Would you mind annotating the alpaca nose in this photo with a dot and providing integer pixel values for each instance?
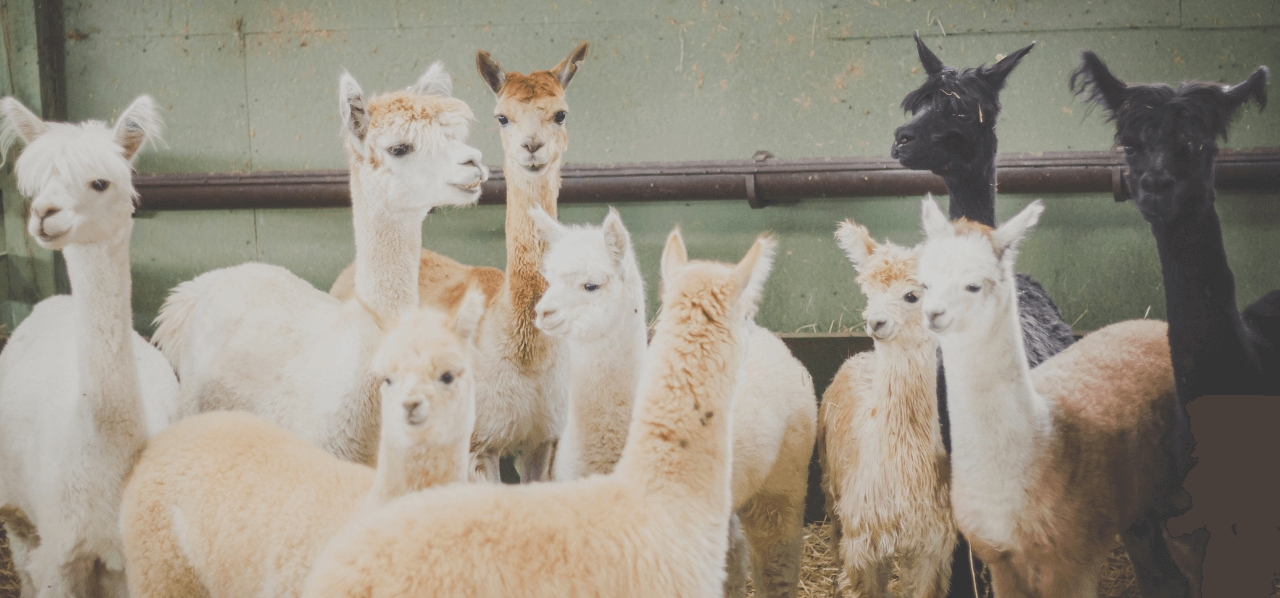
(1156, 182)
(546, 313)
(877, 325)
(411, 405)
(934, 314)
(532, 145)
(43, 212)
(905, 138)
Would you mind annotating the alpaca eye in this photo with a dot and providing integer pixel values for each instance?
(910, 297)
(590, 288)
(560, 117)
(502, 120)
(402, 149)
(1129, 150)
(100, 185)
(973, 288)
(386, 381)
(446, 378)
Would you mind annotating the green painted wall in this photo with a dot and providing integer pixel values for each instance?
(250, 86)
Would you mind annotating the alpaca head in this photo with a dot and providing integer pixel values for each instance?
(952, 127)
(428, 383)
(411, 144)
(531, 112)
(1170, 136)
(724, 295)
(78, 175)
(966, 269)
(590, 275)
(887, 275)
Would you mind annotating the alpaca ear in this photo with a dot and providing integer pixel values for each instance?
(470, 310)
(1103, 88)
(996, 74)
(19, 122)
(751, 273)
(355, 121)
(856, 242)
(932, 65)
(138, 123)
(436, 81)
(616, 237)
(674, 256)
(490, 71)
(1005, 238)
(936, 225)
(1253, 88)
(547, 226)
(567, 67)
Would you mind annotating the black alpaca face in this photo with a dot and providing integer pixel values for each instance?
(954, 115)
(1169, 135)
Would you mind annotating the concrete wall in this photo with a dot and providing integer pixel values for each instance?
(250, 86)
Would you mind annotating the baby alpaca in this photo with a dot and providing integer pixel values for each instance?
(229, 504)
(657, 526)
(884, 468)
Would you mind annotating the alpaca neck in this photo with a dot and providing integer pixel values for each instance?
(905, 384)
(973, 192)
(525, 284)
(408, 468)
(388, 244)
(101, 290)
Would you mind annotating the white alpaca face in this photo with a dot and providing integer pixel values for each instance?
(959, 277)
(426, 173)
(428, 387)
(893, 304)
(585, 297)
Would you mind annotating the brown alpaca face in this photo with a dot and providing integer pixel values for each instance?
(887, 276)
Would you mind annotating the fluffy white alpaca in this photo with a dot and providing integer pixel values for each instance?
(80, 391)
(257, 338)
(1048, 465)
(656, 526)
(595, 299)
(884, 468)
(227, 504)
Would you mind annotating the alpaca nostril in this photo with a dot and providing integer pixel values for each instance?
(934, 315)
(47, 213)
(905, 138)
(547, 313)
(1156, 182)
(411, 405)
(532, 146)
(877, 325)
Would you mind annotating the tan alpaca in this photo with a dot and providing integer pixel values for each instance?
(227, 504)
(522, 392)
(657, 526)
(884, 468)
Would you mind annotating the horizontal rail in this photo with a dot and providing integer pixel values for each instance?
(762, 181)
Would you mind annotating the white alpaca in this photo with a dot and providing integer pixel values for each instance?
(80, 391)
(656, 526)
(1048, 465)
(884, 468)
(595, 299)
(227, 504)
(257, 338)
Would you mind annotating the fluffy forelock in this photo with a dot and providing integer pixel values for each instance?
(420, 334)
(1158, 106)
(80, 152)
(887, 266)
(526, 88)
(961, 91)
(426, 120)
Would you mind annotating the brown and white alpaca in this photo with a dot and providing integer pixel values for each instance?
(1048, 465)
(522, 392)
(657, 526)
(884, 467)
(227, 504)
(257, 338)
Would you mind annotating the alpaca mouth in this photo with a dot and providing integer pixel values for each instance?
(534, 168)
(473, 188)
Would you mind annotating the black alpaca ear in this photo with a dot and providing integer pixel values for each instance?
(995, 74)
(1103, 88)
(928, 59)
(1253, 88)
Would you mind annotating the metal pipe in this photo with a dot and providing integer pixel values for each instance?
(762, 181)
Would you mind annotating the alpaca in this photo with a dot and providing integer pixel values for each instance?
(80, 390)
(1048, 464)
(1170, 143)
(257, 338)
(657, 526)
(202, 485)
(884, 469)
(595, 299)
(522, 392)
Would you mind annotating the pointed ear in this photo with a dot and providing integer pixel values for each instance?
(751, 273)
(1093, 78)
(856, 242)
(674, 256)
(138, 123)
(1005, 238)
(436, 81)
(467, 319)
(550, 230)
(490, 71)
(355, 121)
(996, 74)
(1254, 88)
(616, 237)
(19, 122)
(936, 225)
(928, 59)
(567, 67)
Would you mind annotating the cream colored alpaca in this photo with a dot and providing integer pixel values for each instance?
(1048, 465)
(257, 338)
(522, 397)
(80, 391)
(884, 468)
(656, 526)
(595, 300)
(227, 504)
